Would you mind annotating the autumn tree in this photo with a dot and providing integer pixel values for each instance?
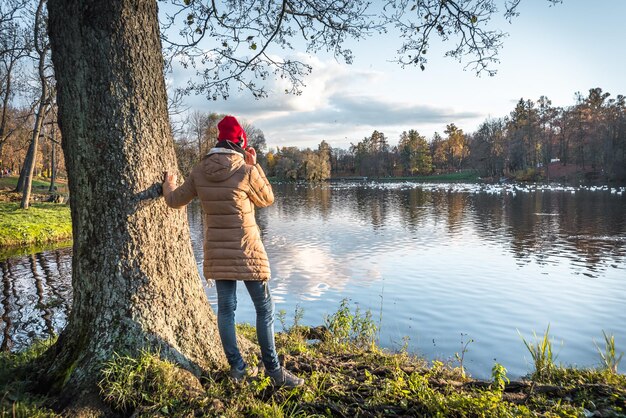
(371, 155)
(256, 139)
(325, 153)
(487, 146)
(378, 151)
(437, 151)
(289, 163)
(19, 123)
(134, 276)
(53, 156)
(592, 129)
(455, 146)
(15, 46)
(202, 129)
(615, 141)
(186, 152)
(199, 134)
(292, 163)
(341, 162)
(523, 132)
(547, 115)
(414, 153)
(316, 165)
(361, 156)
(271, 161)
(44, 101)
(197, 124)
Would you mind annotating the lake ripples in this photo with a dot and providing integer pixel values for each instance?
(34, 304)
(437, 264)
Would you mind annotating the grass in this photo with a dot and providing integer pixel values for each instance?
(41, 223)
(128, 382)
(609, 356)
(460, 357)
(15, 401)
(461, 176)
(39, 184)
(346, 376)
(542, 355)
(527, 175)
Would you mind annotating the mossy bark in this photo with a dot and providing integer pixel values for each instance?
(134, 276)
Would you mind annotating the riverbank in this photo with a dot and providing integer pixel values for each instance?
(465, 176)
(347, 375)
(42, 223)
(556, 172)
(40, 188)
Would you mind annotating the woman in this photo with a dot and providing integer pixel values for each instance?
(229, 184)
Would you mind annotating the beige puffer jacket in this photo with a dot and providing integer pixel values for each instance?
(228, 190)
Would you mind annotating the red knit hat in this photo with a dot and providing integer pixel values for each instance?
(229, 129)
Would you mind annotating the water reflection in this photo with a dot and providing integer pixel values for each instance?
(589, 226)
(434, 262)
(36, 293)
(438, 261)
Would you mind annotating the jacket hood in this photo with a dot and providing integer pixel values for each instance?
(221, 163)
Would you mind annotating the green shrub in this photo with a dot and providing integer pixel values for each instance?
(351, 329)
(128, 382)
(542, 355)
(610, 359)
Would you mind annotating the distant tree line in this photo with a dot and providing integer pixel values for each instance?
(591, 134)
(291, 163)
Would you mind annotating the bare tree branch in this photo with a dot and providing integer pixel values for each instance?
(244, 43)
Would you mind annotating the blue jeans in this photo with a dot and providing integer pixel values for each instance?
(264, 306)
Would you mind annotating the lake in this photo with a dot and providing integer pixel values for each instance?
(440, 266)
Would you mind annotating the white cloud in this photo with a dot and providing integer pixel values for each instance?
(335, 106)
(343, 103)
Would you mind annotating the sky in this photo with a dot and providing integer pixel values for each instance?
(553, 51)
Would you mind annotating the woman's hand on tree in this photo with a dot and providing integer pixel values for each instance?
(170, 177)
(250, 157)
(169, 182)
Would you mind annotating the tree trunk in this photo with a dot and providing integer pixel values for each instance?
(53, 167)
(42, 51)
(53, 161)
(134, 276)
(29, 170)
(6, 99)
(24, 170)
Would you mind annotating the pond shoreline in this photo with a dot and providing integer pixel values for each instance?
(50, 223)
(42, 224)
(345, 376)
(347, 381)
